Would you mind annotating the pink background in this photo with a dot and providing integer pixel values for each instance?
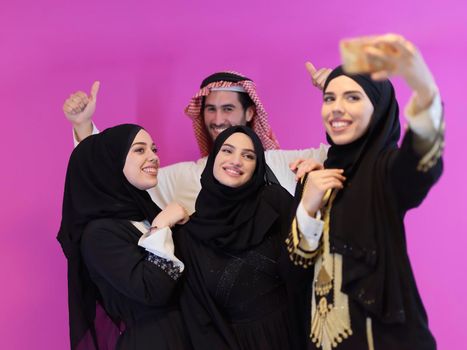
(150, 57)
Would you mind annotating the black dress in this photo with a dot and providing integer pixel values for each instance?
(405, 187)
(364, 223)
(114, 286)
(239, 300)
(138, 292)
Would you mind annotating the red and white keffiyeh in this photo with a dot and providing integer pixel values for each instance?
(259, 122)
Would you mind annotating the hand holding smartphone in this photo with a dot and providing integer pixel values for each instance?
(370, 54)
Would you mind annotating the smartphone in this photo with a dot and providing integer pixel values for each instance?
(355, 60)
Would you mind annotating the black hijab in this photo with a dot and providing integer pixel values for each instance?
(230, 222)
(364, 224)
(95, 187)
(232, 218)
(383, 132)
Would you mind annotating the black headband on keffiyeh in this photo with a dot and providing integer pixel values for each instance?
(259, 122)
(223, 76)
(362, 222)
(96, 187)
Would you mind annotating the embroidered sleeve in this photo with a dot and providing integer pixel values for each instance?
(298, 255)
(167, 266)
(311, 229)
(160, 243)
(426, 123)
(430, 159)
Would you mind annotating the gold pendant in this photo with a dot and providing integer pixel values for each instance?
(327, 330)
(319, 322)
(324, 282)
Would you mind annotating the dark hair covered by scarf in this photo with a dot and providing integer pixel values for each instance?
(230, 218)
(363, 220)
(95, 187)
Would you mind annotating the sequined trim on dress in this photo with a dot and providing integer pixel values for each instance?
(166, 265)
(430, 159)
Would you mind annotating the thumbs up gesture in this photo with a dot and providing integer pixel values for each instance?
(318, 76)
(79, 107)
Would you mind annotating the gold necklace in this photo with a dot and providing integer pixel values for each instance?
(330, 321)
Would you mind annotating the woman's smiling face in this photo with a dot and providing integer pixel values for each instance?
(346, 110)
(142, 162)
(235, 162)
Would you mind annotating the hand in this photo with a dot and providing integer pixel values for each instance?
(79, 107)
(398, 56)
(317, 184)
(302, 166)
(172, 214)
(318, 77)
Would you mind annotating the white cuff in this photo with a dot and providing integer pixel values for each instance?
(159, 243)
(424, 123)
(310, 227)
(95, 131)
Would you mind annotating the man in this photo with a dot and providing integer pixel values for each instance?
(224, 99)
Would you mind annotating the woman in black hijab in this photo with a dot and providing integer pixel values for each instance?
(364, 295)
(234, 295)
(120, 295)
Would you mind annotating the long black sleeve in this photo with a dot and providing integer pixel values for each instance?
(410, 183)
(110, 251)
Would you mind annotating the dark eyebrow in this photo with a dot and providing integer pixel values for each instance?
(352, 92)
(223, 106)
(141, 144)
(345, 93)
(244, 149)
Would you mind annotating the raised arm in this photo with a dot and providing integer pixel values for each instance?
(417, 165)
(392, 55)
(79, 109)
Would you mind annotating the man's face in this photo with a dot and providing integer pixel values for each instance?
(222, 109)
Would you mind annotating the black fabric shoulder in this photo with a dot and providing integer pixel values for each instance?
(103, 229)
(276, 195)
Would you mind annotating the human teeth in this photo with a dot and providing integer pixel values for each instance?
(339, 124)
(232, 171)
(150, 170)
